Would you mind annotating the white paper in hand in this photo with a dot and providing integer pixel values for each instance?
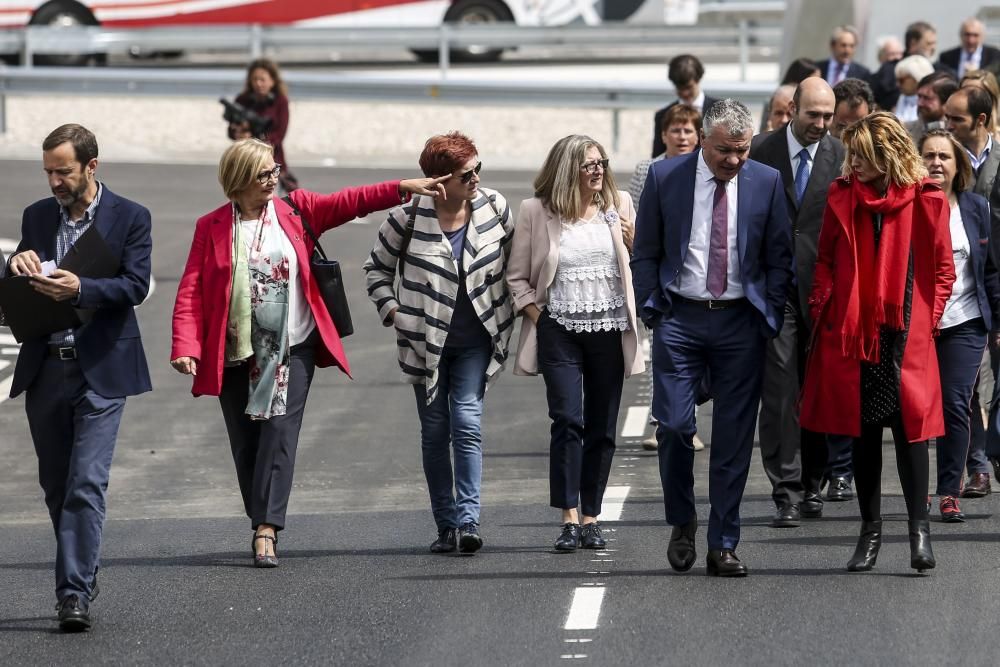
(48, 267)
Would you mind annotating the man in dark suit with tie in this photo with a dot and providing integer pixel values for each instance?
(76, 380)
(973, 53)
(712, 270)
(685, 72)
(808, 159)
(840, 65)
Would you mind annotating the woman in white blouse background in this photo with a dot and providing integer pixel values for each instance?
(569, 275)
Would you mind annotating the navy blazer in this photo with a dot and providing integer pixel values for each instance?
(976, 220)
(663, 231)
(109, 349)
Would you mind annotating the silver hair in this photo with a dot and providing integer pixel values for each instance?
(730, 114)
(841, 29)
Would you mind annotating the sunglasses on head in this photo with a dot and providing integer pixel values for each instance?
(467, 175)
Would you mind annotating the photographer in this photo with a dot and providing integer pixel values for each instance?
(265, 95)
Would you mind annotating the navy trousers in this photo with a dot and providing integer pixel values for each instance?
(74, 431)
(959, 349)
(584, 373)
(730, 345)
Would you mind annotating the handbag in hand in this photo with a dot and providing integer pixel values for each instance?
(330, 279)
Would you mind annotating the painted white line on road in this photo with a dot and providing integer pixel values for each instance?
(5, 388)
(585, 609)
(8, 339)
(636, 421)
(10, 350)
(4, 364)
(614, 501)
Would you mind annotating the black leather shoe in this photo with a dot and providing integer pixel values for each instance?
(787, 516)
(921, 554)
(680, 551)
(569, 538)
(591, 538)
(469, 539)
(869, 542)
(73, 614)
(445, 543)
(724, 563)
(811, 506)
(840, 490)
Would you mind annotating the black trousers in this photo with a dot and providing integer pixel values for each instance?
(264, 450)
(584, 373)
(911, 463)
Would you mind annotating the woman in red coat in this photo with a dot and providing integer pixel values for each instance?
(883, 275)
(250, 324)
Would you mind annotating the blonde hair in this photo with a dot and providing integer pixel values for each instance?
(240, 164)
(896, 157)
(558, 182)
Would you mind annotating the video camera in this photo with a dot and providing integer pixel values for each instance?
(239, 114)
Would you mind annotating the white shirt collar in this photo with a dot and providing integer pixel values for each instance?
(794, 147)
(698, 102)
(704, 172)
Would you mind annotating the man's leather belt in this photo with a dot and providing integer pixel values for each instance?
(63, 353)
(711, 304)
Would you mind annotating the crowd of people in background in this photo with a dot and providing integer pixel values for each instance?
(836, 274)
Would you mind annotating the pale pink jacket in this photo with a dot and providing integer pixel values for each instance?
(534, 257)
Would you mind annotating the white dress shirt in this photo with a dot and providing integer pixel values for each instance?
(906, 108)
(692, 280)
(794, 148)
(697, 102)
(978, 160)
(963, 304)
(968, 61)
(833, 70)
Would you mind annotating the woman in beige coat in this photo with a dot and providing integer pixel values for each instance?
(569, 275)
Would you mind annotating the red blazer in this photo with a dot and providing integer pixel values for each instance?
(831, 391)
(202, 305)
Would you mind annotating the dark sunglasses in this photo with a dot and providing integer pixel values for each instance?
(467, 175)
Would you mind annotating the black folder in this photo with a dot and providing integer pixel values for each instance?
(31, 314)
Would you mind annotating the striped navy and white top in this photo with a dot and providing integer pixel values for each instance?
(426, 293)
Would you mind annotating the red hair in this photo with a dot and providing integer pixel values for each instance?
(444, 153)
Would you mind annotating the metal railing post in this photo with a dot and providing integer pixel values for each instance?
(256, 37)
(3, 108)
(27, 52)
(444, 50)
(744, 48)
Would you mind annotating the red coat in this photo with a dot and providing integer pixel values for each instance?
(202, 305)
(831, 391)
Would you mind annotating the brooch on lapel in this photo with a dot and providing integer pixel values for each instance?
(611, 217)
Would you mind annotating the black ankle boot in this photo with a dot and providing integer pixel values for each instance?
(869, 542)
(921, 554)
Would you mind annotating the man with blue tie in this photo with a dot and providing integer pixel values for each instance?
(76, 380)
(795, 461)
(712, 269)
(840, 65)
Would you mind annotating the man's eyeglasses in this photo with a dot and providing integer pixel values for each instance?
(467, 175)
(591, 167)
(269, 175)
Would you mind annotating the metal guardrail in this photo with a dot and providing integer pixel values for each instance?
(726, 24)
(613, 96)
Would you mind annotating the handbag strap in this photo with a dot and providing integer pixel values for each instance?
(305, 225)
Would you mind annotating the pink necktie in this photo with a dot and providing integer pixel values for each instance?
(718, 244)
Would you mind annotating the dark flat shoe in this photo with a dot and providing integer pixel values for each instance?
(569, 538)
(74, 616)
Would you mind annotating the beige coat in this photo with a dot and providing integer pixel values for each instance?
(534, 257)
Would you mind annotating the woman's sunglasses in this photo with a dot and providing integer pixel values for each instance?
(467, 175)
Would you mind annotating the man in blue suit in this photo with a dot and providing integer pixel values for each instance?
(712, 270)
(76, 380)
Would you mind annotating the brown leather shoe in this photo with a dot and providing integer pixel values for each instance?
(977, 486)
(724, 563)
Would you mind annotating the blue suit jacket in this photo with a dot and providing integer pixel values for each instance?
(663, 230)
(976, 220)
(109, 349)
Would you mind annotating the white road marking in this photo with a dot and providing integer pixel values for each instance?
(585, 610)
(8, 339)
(614, 501)
(5, 388)
(635, 421)
(10, 350)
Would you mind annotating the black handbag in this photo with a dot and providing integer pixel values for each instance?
(330, 279)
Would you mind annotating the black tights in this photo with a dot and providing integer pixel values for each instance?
(911, 461)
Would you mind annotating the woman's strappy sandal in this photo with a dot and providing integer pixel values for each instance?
(263, 560)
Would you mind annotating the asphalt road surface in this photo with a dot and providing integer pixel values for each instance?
(357, 585)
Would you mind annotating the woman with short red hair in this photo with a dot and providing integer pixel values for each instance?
(453, 318)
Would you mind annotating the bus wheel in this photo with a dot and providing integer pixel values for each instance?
(475, 12)
(65, 14)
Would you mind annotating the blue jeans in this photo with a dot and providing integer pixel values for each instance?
(451, 422)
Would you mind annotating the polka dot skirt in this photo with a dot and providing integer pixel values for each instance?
(880, 383)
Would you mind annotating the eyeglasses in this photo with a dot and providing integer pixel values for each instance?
(467, 175)
(591, 167)
(269, 175)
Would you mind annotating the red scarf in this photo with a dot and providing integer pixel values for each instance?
(879, 281)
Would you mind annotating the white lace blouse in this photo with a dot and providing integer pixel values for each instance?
(587, 293)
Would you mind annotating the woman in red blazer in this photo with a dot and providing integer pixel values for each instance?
(249, 321)
(883, 275)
